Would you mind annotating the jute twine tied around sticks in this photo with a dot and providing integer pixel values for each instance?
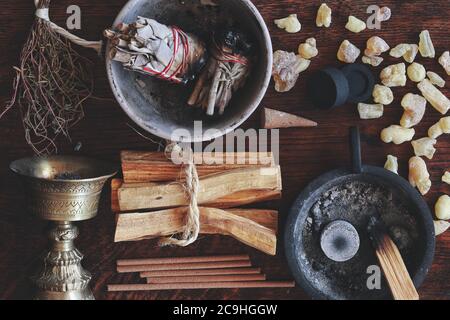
(192, 184)
(42, 12)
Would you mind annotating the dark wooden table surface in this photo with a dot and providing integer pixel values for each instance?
(305, 153)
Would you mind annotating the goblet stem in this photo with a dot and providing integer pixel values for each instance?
(62, 277)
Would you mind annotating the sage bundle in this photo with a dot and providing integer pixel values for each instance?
(226, 72)
(52, 82)
(152, 48)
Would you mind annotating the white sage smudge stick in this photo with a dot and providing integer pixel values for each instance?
(154, 49)
(226, 72)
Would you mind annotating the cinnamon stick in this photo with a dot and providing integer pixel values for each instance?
(184, 266)
(134, 262)
(256, 228)
(199, 279)
(212, 188)
(200, 272)
(155, 167)
(211, 285)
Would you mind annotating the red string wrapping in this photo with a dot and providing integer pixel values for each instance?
(178, 37)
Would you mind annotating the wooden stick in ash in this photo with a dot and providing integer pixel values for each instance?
(391, 261)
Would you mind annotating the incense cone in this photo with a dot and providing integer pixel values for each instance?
(273, 119)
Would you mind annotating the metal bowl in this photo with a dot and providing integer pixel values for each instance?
(311, 277)
(160, 107)
(63, 188)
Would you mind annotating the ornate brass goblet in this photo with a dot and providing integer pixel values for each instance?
(63, 190)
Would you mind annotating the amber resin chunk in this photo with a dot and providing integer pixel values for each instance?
(323, 16)
(394, 75)
(376, 46)
(286, 69)
(348, 52)
(355, 25)
(383, 95)
(435, 97)
(414, 106)
(290, 24)
(426, 46)
(418, 175)
(397, 134)
(444, 60)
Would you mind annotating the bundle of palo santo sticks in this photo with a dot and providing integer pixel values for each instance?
(213, 272)
(151, 202)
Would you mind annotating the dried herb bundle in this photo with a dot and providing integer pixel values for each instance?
(51, 83)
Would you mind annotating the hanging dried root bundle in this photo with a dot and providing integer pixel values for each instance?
(155, 49)
(226, 72)
(51, 83)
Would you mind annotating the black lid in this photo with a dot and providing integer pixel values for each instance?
(361, 82)
(332, 87)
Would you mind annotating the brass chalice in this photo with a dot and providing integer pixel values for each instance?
(63, 189)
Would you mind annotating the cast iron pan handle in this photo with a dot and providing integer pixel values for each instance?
(355, 145)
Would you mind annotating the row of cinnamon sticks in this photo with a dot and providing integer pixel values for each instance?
(211, 272)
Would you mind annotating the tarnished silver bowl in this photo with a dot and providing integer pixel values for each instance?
(63, 190)
(161, 108)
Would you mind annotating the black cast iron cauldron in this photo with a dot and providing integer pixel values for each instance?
(294, 245)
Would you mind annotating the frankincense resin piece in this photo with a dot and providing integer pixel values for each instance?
(414, 106)
(424, 147)
(426, 46)
(286, 69)
(374, 61)
(308, 49)
(391, 164)
(348, 52)
(394, 75)
(290, 24)
(444, 60)
(435, 97)
(384, 14)
(446, 177)
(440, 226)
(416, 72)
(438, 129)
(442, 208)
(370, 111)
(323, 16)
(418, 175)
(376, 46)
(397, 134)
(355, 25)
(436, 79)
(383, 95)
(405, 50)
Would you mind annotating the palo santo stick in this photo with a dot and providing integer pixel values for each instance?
(200, 272)
(211, 285)
(274, 119)
(185, 266)
(155, 167)
(217, 278)
(391, 261)
(234, 200)
(138, 226)
(212, 187)
(134, 262)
